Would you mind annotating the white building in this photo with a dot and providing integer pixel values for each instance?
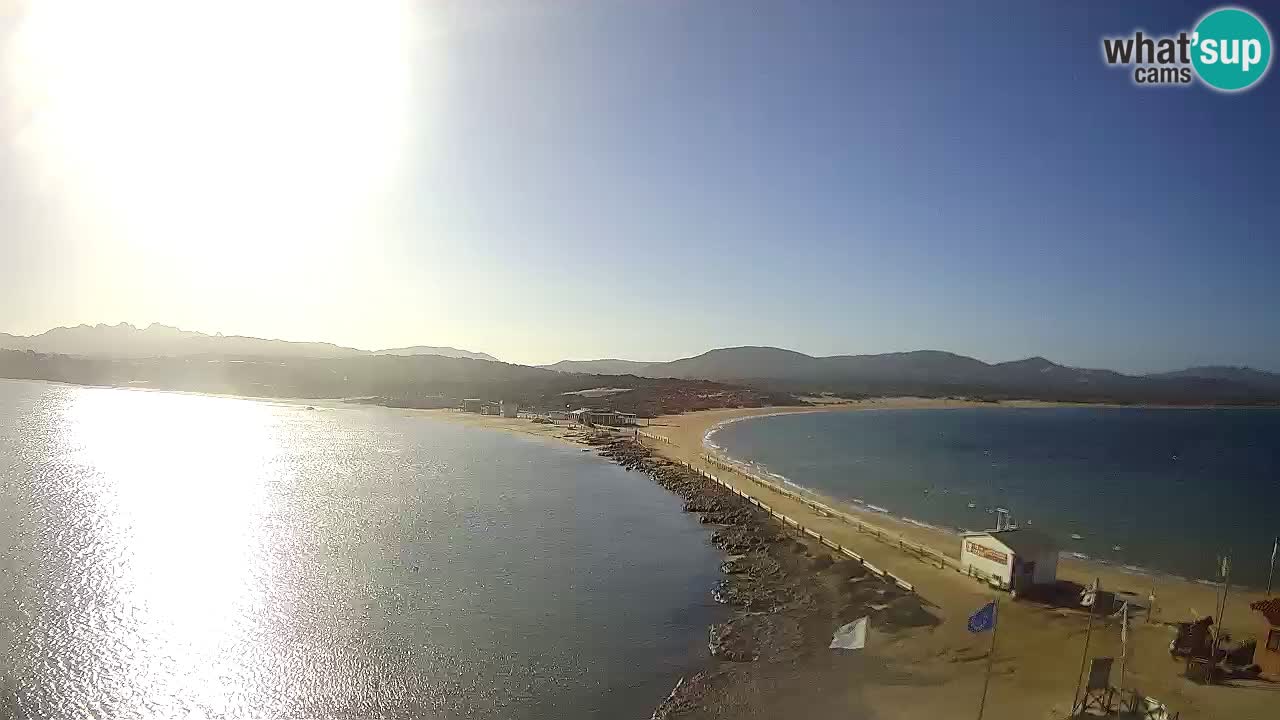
(1013, 559)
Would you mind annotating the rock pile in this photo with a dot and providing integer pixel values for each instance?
(787, 592)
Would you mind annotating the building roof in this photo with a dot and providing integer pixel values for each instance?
(1023, 541)
(1270, 609)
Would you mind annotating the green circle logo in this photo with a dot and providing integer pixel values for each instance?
(1231, 49)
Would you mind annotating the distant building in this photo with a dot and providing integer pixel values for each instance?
(472, 405)
(1014, 559)
(434, 402)
(1267, 654)
(509, 409)
(491, 408)
(608, 418)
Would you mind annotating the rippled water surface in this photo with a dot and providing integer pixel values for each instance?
(171, 554)
(1161, 489)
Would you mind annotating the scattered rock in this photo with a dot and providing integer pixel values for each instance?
(785, 591)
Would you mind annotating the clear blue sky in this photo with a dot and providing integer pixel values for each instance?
(831, 177)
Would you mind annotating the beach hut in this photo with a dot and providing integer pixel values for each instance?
(587, 416)
(510, 409)
(472, 405)
(1013, 559)
(1267, 654)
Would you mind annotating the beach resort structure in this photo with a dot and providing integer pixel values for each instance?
(1267, 654)
(509, 409)
(472, 405)
(612, 418)
(1012, 559)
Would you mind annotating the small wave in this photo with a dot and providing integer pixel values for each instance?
(923, 524)
(1077, 555)
(877, 508)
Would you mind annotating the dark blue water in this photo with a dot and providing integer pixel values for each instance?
(1172, 488)
(170, 555)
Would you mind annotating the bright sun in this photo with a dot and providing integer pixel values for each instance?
(219, 131)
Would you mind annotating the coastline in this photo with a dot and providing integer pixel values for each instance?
(913, 672)
(926, 671)
(1051, 643)
(945, 539)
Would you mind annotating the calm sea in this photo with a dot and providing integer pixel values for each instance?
(1163, 489)
(175, 555)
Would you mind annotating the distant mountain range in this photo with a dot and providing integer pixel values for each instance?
(776, 372)
(418, 381)
(156, 340)
(934, 373)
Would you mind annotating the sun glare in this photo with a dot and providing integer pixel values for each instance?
(219, 132)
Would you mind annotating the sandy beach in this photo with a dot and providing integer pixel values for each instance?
(938, 671)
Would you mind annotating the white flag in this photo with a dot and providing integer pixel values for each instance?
(1124, 629)
(852, 636)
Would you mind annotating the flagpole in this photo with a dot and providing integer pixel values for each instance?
(1124, 641)
(1088, 633)
(991, 656)
(1222, 614)
(1271, 574)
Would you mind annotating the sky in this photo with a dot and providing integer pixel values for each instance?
(644, 179)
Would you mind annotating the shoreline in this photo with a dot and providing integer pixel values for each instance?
(936, 670)
(928, 666)
(908, 670)
(1046, 659)
(902, 523)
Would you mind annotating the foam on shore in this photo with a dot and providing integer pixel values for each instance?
(751, 467)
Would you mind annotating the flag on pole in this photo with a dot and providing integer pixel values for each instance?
(984, 619)
(852, 636)
(1124, 629)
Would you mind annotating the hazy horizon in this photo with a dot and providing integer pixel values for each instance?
(823, 178)
(989, 360)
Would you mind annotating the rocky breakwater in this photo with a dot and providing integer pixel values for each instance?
(787, 592)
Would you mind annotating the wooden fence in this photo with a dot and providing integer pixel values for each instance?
(792, 522)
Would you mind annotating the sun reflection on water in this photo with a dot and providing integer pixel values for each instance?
(178, 481)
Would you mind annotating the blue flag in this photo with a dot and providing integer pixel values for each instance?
(984, 619)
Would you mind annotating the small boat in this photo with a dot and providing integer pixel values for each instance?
(926, 491)
(972, 506)
(1117, 548)
(1076, 537)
